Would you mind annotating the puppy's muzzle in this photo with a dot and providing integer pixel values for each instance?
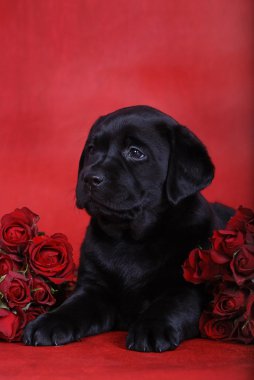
(93, 180)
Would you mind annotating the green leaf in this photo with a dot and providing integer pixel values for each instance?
(2, 251)
(245, 324)
(236, 252)
(53, 291)
(35, 290)
(3, 305)
(2, 277)
(27, 306)
(24, 271)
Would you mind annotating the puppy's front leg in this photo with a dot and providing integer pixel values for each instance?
(86, 312)
(167, 322)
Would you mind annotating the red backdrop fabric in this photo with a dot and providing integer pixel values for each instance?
(64, 63)
(105, 357)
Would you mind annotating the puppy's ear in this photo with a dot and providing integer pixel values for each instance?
(190, 167)
(92, 130)
(81, 160)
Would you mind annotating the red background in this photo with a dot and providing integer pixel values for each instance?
(64, 63)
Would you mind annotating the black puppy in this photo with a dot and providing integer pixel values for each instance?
(140, 174)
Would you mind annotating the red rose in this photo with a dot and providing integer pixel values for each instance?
(230, 302)
(51, 257)
(15, 289)
(239, 221)
(9, 262)
(33, 312)
(225, 244)
(199, 267)
(250, 226)
(249, 315)
(249, 238)
(10, 325)
(6, 264)
(17, 228)
(243, 331)
(242, 264)
(215, 328)
(41, 292)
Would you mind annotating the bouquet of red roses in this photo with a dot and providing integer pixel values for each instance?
(228, 269)
(36, 271)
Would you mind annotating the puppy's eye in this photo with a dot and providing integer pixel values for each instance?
(135, 153)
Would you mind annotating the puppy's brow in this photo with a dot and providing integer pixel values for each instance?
(134, 140)
(99, 139)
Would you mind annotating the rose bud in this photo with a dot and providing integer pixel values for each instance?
(230, 302)
(41, 292)
(215, 328)
(51, 257)
(10, 262)
(15, 289)
(242, 332)
(33, 312)
(10, 325)
(249, 239)
(6, 264)
(249, 314)
(250, 226)
(17, 228)
(199, 268)
(225, 244)
(239, 221)
(242, 264)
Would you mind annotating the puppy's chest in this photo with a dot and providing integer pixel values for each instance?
(132, 266)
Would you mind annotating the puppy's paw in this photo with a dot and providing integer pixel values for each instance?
(50, 330)
(152, 336)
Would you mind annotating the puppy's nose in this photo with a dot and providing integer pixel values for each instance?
(93, 180)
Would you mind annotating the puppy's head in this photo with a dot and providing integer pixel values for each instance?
(137, 159)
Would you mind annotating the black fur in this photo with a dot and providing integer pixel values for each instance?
(140, 177)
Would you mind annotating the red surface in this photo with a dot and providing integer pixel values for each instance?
(105, 357)
(64, 63)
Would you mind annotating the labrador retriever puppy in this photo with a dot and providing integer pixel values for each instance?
(140, 176)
